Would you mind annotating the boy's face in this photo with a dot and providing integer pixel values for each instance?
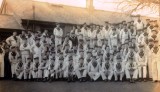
(81, 60)
(89, 54)
(14, 33)
(71, 61)
(29, 60)
(36, 60)
(58, 25)
(19, 59)
(23, 32)
(81, 53)
(45, 60)
(115, 48)
(37, 41)
(52, 60)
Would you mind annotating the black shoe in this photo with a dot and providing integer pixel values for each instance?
(51, 79)
(84, 79)
(91, 80)
(144, 80)
(140, 80)
(80, 80)
(130, 81)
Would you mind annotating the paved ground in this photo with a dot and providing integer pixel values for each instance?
(14, 86)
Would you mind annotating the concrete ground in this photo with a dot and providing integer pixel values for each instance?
(59, 86)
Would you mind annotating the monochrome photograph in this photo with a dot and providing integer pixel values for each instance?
(79, 46)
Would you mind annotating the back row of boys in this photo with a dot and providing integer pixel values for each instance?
(125, 49)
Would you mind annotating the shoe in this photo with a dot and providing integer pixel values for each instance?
(145, 80)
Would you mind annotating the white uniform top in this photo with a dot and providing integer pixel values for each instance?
(25, 50)
(57, 32)
(155, 56)
(107, 66)
(113, 40)
(89, 33)
(106, 32)
(132, 34)
(131, 65)
(84, 31)
(92, 68)
(124, 35)
(51, 65)
(80, 66)
(149, 31)
(139, 25)
(21, 40)
(128, 55)
(19, 67)
(141, 39)
(36, 50)
(12, 58)
(119, 67)
(69, 43)
(142, 60)
(44, 41)
(30, 39)
(78, 32)
(11, 41)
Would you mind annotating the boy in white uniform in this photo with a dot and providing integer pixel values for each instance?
(156, 62)
(93, 69)
(132, 32)
(30, 38)
(148, 51)
(44, 69)
(69, 70)
(81, 69)
(13, 56)
(25, 50)
(119, 67)
(107, 70)
(58, 32)
(131, 69)
(34, 68)
(22, 37)
(113, 40)
(139, 24)
(142, 63)
(59, 66)
(124, 35)
(36, 50)
(140, 38)
(51, 69)
(27, 69)
(13, 40)
(19, 69)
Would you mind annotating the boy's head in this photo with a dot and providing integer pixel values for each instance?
(29, 59)
(36, 59)
(19, 59)
(70, 59)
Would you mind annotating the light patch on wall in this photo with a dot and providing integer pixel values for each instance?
(77, 3)
(1, 2)
(106, 5)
